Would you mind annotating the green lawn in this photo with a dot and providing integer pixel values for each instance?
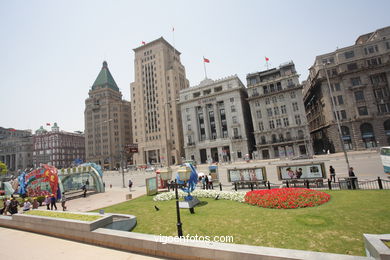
(336, 226)
(53, 214)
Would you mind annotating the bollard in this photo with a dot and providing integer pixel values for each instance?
(269, 185)
(380, 183)
(235, 186)
(220, 186)
(329, 184)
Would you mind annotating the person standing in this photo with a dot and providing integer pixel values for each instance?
(53, 202)
(351, 173)
(130, 184)
(87, 183)
(13, 207)
(206, 180)
(210, 182)
(35, 204)
(332, 172)
(63, 201)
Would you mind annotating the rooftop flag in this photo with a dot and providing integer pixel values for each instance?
(48, 124)
(206, 60)
(143, 42)
(266, 59)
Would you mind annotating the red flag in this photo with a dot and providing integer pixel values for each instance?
(12, 130)
(266, 59)
(143, 42)
(206, 60)
(48, 124)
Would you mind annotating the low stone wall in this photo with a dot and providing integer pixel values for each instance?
(375, 247)
(94, 233)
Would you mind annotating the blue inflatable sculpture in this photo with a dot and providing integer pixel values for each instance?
(191, 183)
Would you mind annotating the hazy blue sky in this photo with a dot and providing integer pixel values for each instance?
(52, 51)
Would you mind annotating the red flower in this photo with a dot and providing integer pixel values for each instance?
(289, 198)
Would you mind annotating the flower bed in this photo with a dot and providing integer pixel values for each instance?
(227, 195)
(286, 198)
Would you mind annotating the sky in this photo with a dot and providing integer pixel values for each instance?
(52, 51)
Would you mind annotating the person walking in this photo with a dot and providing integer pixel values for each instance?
(351, 173)
(206, 180)
(47, 202)
(63, 201)
(210, 182)
(84, 188)
(53, 202)
(332, 172)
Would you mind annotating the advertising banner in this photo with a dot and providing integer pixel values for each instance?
(302, 171)
(151, 186)
(41, 181)
(247, 174)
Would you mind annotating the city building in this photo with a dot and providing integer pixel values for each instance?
(216, 121)
(16, 149)
(157, 128)
(57, 148)
(107, 123)
(278, 114)
(359, 78)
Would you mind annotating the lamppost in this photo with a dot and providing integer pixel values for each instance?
(337, 116)
(184, 175)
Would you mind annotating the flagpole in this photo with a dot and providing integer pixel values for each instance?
(204, 65)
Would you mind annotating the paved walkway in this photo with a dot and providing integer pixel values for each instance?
(21, 245)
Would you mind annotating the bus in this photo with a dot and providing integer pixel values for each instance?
(385, 157)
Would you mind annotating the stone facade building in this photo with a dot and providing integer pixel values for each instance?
(57, 148)
(359, 77)
(278, 114)
(16, 148)
(216, 121)
(157, 128)
(107, 122)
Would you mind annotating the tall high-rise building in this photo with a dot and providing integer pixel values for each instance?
(278, 114)
(107, 122)
(157, 128)
(358, 94)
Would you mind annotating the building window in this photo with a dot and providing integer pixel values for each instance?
(374, 61)
(356, 81)
(281, 97)
(271, 124)
(359, 95)
(285, 121)
(371, 49)
(188, 118)
(265, 89)
(261, 126)
(233, 108)
(274, 100)
(278, 86)
(295, 106)
(343, 114)
(234, 119)
(278, 123)
(232, 100)
(340, 99)
(352, 66)
(349, 54)
(267, 101)
(258, 114)
(257, 103)
(363, 111)
(283, 108)
(276, 111)
(269, 111)
(189, 127)
(337, 86)
(292, 94)
(298, 119)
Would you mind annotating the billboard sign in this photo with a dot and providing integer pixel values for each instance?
(151, 186)
(247, 174)
(302, 171)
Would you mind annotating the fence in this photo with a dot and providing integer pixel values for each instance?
(319, 184)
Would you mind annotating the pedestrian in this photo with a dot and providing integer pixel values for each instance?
(206, 180)
(13, 206)
(84, 188)
(53, 202)
(203, 182)
(47, 202)
(26, 205)
(350, 172)
(210, 182)
(332, 172)
(35, 203)
(63, 201)
(87, 183)
(3, 210)
(130, 184)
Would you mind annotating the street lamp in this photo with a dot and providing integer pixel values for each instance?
(337, 116)
(184, 175)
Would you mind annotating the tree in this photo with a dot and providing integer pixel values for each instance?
(3, 168)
